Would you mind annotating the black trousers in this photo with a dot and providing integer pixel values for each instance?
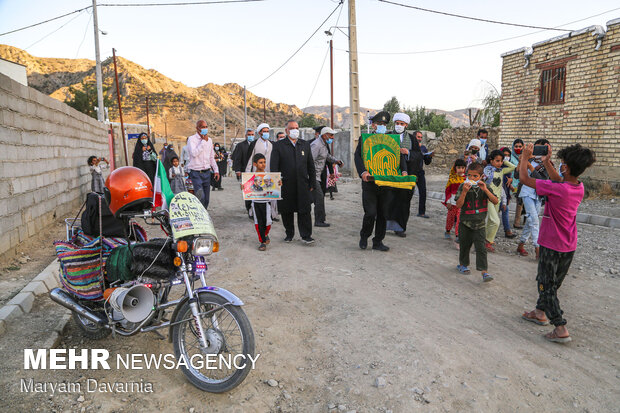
(467, 237)
(552, 268)
(319, 204)
(248, 205)
(421, 184)
(400, 206)
(376, 201)
(260, 220)
(304, 223)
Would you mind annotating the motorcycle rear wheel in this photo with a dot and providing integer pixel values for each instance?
(89, 328)
(233, 332)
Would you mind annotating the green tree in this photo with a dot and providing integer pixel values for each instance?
(391, 106)
(421, 119)
(489, 114)
(85, 99)
(308, 120)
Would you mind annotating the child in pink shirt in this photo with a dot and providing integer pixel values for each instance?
(558, 231)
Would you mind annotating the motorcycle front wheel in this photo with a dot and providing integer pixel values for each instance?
(229, 338)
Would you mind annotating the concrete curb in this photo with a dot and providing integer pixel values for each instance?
(23, 301)
(599, 220)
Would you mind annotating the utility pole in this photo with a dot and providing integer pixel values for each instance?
(353, 85)
(331, 82)
(98, 75)
(148, 124)
(224, 129)
(120, 109)
(265, 110)
(245, 112)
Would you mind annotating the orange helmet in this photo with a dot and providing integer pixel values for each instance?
(128, 189)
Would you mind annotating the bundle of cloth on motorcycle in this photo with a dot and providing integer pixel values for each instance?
(82, 259)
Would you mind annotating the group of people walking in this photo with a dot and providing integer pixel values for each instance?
(481, 185)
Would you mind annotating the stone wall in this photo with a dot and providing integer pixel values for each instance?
(43, 171)
(452, 142)
(590, 114)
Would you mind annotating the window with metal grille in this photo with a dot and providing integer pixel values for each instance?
(552, 85)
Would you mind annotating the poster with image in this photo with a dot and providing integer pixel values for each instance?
(261, 186)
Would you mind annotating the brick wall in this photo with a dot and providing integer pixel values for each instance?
(43, 170)
(590, 114)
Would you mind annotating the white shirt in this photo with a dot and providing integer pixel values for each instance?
(202, 154)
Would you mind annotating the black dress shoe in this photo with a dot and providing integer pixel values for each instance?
(363, 243)
(380, 247)
(321, 224)
(288, 239)
(275, 219)
(401, 234)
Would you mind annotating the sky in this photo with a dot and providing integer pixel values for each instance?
(246, 42)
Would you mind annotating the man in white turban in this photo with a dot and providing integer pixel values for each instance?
(263, 145)
(398, 213)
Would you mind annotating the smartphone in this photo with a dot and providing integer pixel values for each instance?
(540, 150)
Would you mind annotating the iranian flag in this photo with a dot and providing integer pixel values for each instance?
(162, 194)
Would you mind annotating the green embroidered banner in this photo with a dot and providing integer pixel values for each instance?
(381, 156)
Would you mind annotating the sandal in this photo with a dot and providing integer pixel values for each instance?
(463, 269)
(486, 277)
(531, 316)
(552, 336)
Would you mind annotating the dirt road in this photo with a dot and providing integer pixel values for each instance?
(332, 321)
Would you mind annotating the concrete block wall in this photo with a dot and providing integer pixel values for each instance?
(590, 114)
(452, 143)
(43, 171)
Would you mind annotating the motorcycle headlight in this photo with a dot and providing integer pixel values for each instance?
(204, 246)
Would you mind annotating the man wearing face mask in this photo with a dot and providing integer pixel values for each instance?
(240, 157)
(264, 146)
(483, 135)
(421, 182)
(202, 165)
(398, 213)
(375, 199)
(292, 157)
(321, 155)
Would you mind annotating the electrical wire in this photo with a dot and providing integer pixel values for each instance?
(479, 44)
(472, 18)
(46, 21)
(300, 47)
(318, 77)
(84, 37)
(131, 5)
(189, 3)
(51, 33)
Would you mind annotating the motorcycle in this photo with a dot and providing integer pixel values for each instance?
(207, 321)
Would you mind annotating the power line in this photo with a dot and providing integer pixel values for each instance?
(471, 18)
(46, 21)
(131, 5)
(318, 77)
(189, 3)
(51, 33)
(300, 47)
(84, 37)
(480, 44)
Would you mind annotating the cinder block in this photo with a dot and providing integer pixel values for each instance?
(9, 312)
(24, 300)
(35, 287)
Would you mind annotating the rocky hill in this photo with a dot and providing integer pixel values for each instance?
(171, 104)
(456, 118)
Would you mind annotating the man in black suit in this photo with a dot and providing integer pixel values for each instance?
(375, 199)
(240, 157)
(292, 157)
